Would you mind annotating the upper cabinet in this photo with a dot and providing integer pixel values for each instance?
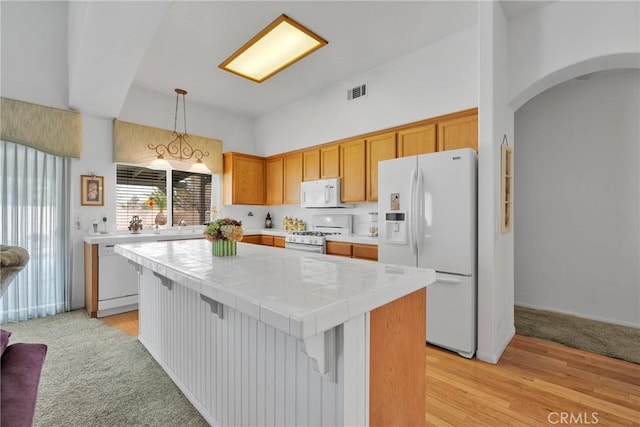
(330, 161)
(243, 179)
(352, 171)
(311, 164)
(292, 177)
(417, 140)
(460, 132)
(275, 180)
(379, 147)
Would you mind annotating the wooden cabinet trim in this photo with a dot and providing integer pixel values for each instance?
(91, 267)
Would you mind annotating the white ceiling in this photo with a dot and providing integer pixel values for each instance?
(194, 37)
(163, 45)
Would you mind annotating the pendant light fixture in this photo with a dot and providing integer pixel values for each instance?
(179, 148)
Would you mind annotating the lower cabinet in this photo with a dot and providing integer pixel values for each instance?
(260, 239)
(353, 250)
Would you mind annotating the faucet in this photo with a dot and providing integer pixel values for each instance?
(182, 223)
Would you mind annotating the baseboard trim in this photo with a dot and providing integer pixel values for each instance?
(581, 315)
(493, 358)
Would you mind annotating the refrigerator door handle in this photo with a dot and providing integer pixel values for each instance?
(412, 211)
(419, 212)
(448, 281)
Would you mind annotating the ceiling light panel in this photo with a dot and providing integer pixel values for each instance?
(279, 45)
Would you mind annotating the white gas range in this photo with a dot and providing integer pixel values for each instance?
(321, 225)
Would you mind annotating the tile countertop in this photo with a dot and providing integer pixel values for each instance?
(195, 232)
(149, 235)
(300, 293)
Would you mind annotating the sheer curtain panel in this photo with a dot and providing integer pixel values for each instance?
(34, 214)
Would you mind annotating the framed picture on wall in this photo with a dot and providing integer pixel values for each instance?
(91, 190)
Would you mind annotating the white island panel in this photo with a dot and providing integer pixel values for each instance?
(235, 370)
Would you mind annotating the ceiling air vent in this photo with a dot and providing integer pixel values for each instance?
(357, 92)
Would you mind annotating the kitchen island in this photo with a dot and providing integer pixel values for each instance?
(282, 337)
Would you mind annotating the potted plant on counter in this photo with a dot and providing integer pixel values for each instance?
(224, 234)
(158, 198)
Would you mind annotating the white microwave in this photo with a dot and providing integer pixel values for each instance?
(322, 193)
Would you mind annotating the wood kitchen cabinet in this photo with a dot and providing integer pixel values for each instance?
(460, 132)
(330, 161)
(361, 251)
(417, 140)
(292, 177)
(339, 248)
(379, 147)
(311, 165)
(353, 250)
(275, 173)
(262, 239)
(256, 239)
(353, 171)
(243, 179)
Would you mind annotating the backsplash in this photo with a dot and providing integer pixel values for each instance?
(360, 214)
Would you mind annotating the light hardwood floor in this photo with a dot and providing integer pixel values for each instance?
(535, 383)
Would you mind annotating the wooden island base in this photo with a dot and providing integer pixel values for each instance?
(397, 361)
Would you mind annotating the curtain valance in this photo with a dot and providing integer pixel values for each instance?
(131, 140)
(48, 129)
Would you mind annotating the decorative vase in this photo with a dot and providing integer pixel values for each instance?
(223, 247)
(161, 218)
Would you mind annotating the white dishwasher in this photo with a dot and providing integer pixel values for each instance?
(118, 289)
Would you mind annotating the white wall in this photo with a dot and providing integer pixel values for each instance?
(567, 39)
(577, 241)
(437, 79)
(34, 52)
(154, 109)
(495, 249)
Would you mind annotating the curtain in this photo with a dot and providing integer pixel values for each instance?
(34, 214)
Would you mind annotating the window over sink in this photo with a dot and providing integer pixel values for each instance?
(159, 195)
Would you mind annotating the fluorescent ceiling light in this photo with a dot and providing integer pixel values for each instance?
(280, 44)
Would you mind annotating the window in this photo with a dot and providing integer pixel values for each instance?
(157, 194)
(191, 197)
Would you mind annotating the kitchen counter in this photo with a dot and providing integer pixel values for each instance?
(296, 292)
(191, 232)
(282, 337)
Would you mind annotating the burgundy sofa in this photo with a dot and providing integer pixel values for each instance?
(20, 363)
(20, 369)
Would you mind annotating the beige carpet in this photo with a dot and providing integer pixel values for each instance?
(96, 375)
(617, 341)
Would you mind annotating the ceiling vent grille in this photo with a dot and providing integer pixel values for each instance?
(357, 92)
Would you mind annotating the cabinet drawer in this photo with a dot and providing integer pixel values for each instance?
(266, 240)
(339, 248)
(365, 252)
(278, 242)
(255, 239)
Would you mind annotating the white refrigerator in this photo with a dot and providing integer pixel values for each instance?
(427, 207)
